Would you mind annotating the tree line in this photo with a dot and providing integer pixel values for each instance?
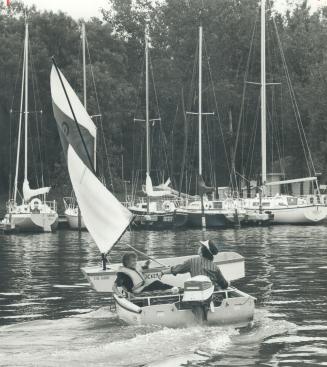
(231, 62)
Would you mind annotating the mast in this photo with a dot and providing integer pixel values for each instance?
(85, 88)
(84, 65)
(147, 103)
(26, 101)
(200, 100)
(19, 130)
(147, 125)
(263, 94)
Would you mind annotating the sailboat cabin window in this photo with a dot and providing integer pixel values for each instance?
(217, 205)
(291, 200)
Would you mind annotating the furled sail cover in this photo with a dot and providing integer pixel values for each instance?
(157, 191)
(65, 121)
(104, 216)
(29, 193)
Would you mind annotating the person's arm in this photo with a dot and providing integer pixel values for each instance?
(220, 279)
(181, 268)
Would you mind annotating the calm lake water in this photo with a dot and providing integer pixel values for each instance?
(50, 317)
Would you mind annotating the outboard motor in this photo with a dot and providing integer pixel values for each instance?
(198, 295)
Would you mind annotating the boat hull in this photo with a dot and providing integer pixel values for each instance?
(72, 220)
(153, 221)
(33, 222)
(311, 214)
(237, 310)
(194, 219)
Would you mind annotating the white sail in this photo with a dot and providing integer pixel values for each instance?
(29, 193)
(68, 131)
(104, 216)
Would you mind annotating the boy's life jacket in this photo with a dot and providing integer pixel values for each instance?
(136, 276)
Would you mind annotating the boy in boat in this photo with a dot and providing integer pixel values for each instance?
(131, 278)
(202, 265)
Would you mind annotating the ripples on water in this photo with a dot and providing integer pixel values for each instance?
(50, 317)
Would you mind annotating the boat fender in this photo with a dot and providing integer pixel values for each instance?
(206, 206)
(311, 200)
(325, 199)
(35, 204)
(168, 206)
(127, 305)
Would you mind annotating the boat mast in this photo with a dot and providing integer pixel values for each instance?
(19, 130)
(263, 95)
(200, 100)
(147, 125)
(26, 101)
(84, 65)
(85, 88)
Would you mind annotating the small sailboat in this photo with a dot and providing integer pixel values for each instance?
(34, 213)
(107, 219)
(202, 211)
(157, 210)
(286, 209)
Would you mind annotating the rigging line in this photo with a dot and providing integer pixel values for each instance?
(295, 105)
(250, 154)
(216, 106)
(100, 117)
(189, 158)
(274, 135)
(145, 255)
(38, 135)
(11, 148)
(246, 74)
(172, 146)
(184, 145)
(33, 156)
(164, 148)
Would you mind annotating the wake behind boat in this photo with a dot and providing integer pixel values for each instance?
(107, 219)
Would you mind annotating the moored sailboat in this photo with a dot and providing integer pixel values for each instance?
(286, 209)
(107, 219)
(33, 214)
(158, 208)
(204, 212)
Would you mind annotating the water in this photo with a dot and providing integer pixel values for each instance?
(50, 317)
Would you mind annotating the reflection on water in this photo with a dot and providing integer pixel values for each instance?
(51, 317)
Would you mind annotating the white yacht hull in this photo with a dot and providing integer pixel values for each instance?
(72, 220)
(311, 214)
(235, 309)
(231, 265)
(32, 222)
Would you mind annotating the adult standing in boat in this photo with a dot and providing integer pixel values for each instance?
(131, 278)
(202, 265)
